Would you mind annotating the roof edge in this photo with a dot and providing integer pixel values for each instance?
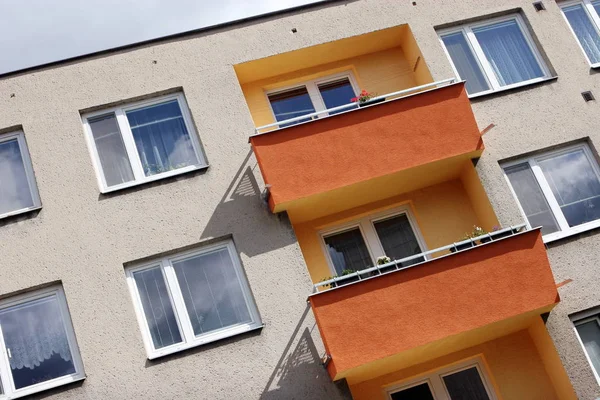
(166, 38)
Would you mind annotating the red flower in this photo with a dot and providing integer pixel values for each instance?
(354, 99)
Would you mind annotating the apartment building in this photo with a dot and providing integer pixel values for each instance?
(211, 216)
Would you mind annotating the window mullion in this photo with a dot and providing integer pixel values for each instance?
(550, 198)
(8, 385)
(178, 303)
(315, 96)
(593, 14)
(129, 142)
(372, 240)
(483, 61)
(438, 387)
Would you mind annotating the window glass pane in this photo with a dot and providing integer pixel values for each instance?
(36, 341)
(290, 104)
(575, 186)
(337, 93)
(157, 307)
(531, 198)
(585, 31)
(508, 52)
(348, 251)
(212, 291)
(161, 137)
(15, 193)
(398, 239)
(420, 392)
(466, 385)
(589, 333)
(465, 62)
(111, 150)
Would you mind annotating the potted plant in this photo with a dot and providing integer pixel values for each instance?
(385, 260)
(477, 231)
(364, 99)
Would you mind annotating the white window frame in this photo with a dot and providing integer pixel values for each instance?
(486, 68)
(589, 316)
(7, 383)
(186, 330)
(33, 189)
(435, 380)
(563, 225)
(312, 87)
(130, 147)
(594, 18)
(369, 234)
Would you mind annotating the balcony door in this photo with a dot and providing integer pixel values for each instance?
(312, 96)
(465, 382)
(355, 246)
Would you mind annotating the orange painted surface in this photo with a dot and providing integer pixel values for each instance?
(357, 146)
(384, 316)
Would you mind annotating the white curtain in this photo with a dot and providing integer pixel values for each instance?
(33, 332)
(14, 187)
(111, 150)
(466, 385)
(161, 137)
(507, 51)
(584, 30)
(590, 336)
(465, 63)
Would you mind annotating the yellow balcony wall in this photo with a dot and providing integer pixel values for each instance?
(516, 363)
(444, 212)
(383, 62)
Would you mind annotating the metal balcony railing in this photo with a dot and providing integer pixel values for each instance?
(396, 265)
(352, 106)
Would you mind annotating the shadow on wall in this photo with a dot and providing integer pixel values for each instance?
(244, 213)
(299, 373)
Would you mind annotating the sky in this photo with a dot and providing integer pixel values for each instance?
(34, 32)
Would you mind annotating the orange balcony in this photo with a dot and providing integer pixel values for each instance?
(369, 153)
(407, 316)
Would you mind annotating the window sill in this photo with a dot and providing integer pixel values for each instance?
(556, 236)
(57, 383)
(205, 340)
(20, 212)
(154, 178)
(514, 88)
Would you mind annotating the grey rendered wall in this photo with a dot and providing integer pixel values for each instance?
(82, 238)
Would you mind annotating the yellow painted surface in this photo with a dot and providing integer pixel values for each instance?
(377, 60)
(481, 203)
(552, 363)
(415, 58)
(376, 189)
(443, 213)
(513, 364)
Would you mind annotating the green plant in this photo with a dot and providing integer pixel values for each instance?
(477, 231)
(383, 260)
(363, 97)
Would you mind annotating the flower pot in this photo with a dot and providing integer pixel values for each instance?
(371, 102)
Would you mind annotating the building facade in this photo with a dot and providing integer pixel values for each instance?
(210, 216)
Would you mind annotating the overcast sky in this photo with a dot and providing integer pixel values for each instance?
(34, 32)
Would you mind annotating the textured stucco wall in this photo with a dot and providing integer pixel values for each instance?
(83, 238)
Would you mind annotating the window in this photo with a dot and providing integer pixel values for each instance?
(18, 190)
(494, 55)
(583, 19)
(312, 96)
(143, 142)
(558, 190)
(466, 381)
(357, 245)
(588, 331)
(191, 299)
(40, 351)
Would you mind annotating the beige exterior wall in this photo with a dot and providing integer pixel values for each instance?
(82, 238)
